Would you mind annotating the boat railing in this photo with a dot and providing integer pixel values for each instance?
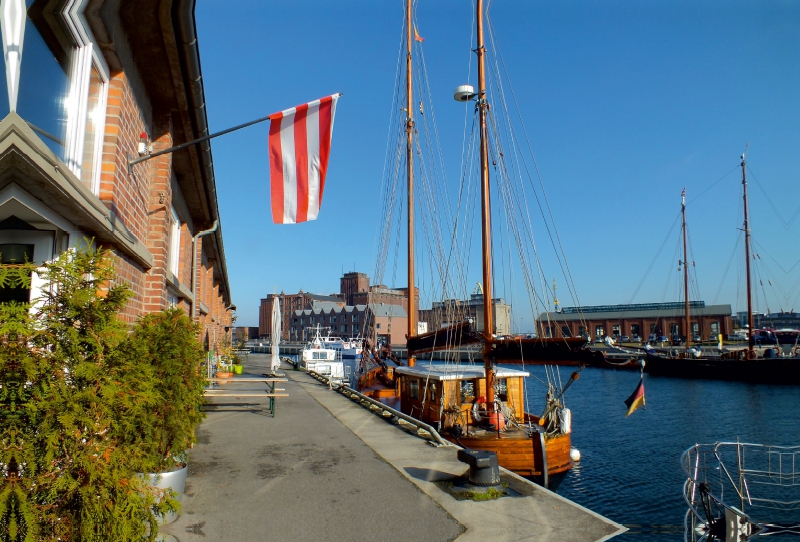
(382, 409)
(743, 480)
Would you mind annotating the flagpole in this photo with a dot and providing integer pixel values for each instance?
(141, 159)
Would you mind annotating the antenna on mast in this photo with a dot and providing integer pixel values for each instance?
(556, 303)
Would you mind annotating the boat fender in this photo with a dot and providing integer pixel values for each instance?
(565, 420)
(575, 454)
(477, 407)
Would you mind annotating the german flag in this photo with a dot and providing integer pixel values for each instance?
(636, 399)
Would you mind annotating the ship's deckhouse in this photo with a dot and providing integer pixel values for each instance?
(447, 394)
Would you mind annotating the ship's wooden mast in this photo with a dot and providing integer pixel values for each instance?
(687, 326)
(750, 322)
(486, 231)
(412, 300)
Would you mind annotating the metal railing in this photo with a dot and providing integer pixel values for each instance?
(385, 410)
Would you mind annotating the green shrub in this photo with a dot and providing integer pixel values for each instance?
(79, 411)
(165, 349)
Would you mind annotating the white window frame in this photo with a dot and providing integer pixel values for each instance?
(175, 243)
(85, 57)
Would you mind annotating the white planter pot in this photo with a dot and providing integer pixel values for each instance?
(174, 480)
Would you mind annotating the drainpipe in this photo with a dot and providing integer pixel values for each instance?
(194, 266)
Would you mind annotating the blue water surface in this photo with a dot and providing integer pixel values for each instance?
(630, 467)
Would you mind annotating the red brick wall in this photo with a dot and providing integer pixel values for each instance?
(142, 200)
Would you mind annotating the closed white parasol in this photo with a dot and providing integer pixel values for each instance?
(275, 362)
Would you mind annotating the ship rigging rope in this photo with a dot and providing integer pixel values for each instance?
(560, 253)
(653, 261)
(787, 224)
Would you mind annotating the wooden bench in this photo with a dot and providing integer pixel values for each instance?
(269, 392)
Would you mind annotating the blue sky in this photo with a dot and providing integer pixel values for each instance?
(625, 104)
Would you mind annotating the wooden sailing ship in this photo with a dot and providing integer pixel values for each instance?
(479, 407)
(748, 364)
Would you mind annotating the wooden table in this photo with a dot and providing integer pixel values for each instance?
(269, 392)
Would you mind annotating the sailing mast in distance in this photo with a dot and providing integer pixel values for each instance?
(412, 300)
(687, 325)
(750, 322)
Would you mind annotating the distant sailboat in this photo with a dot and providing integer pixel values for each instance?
(275, 361)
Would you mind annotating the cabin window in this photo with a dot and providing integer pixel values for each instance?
(467, 391)
(599, 332)
(615, 331)
(431, 392)
(413, 388)
(548, 332)
(715, 328)
(695, 328)
(582, 331)
(565, 332)
(501, 389)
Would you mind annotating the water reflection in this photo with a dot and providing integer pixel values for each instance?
(630, 467)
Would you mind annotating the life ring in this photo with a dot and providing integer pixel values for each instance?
(476, 408)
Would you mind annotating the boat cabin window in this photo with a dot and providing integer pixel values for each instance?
(467, 391)
(565, 332)
(599, 332)
(501, 389)
(432, 392)
(413, 388)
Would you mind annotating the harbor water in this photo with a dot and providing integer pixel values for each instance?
(630, 467)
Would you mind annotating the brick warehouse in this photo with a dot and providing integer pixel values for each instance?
(640, 319)
(87, 84)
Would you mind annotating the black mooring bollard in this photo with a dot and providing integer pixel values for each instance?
(484, 470)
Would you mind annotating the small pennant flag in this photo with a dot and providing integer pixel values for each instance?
(417, 36)
(299, 147)
(636, 399)
(683, 193)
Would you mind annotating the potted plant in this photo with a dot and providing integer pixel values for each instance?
(165, 348)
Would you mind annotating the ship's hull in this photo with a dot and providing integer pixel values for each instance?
(522, 454)
(763, 370)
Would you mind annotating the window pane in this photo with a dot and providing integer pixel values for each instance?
(43, 89)
(94, 122)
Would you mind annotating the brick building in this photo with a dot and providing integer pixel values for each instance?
(289, 304)
(662, 319)
(83, 90)
(380, 322)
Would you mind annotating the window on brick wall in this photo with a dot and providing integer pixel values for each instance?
(59, 86)
(175, 243)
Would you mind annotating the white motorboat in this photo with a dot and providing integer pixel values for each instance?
(320, 358)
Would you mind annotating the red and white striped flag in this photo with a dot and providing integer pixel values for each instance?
(299, 147)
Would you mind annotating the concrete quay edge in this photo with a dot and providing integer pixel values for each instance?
(543, 516)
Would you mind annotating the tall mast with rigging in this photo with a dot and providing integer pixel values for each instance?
(687, 325)
(750, 322)
(412, 300)
(486, 219)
